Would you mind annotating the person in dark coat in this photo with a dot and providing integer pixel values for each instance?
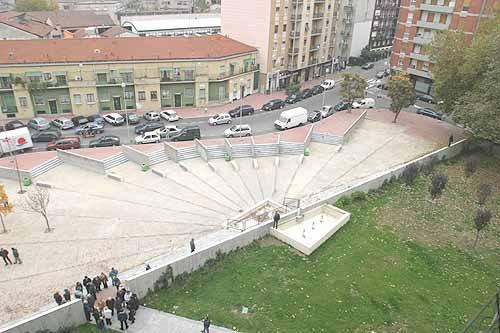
(110, 303)
(96, 281)
(96, 315)
(112, 274)
(86, 281)
(91, 289)
(5, 256)
(67, 295)
(131, 314)
(104, 280)
(206, 324)
(87, 309)
(191, 245)
(276, 219)
(118, 304)
(91, 299)
(17, 258)
(135, 301)
(122, 317)
(78, 286)
(58, 298)
(116, 283)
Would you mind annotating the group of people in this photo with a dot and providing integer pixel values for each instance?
(4, 253)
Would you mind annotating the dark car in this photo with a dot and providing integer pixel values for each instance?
(148, 127)
(368, 65)
(96, 118)
(132, 118)
(244, 110)
(317, 89)
(64, 143)
(273, 105)
(14, 124)
(187, 134)
(430, 113)
(314, 116)
(306, 93)
(426, 98)
(45, 136)
(79, 120)
(341, 106)
(105, 141)
(294, 98)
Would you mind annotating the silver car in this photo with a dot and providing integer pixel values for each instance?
(39, 124)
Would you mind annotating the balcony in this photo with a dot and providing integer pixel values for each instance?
(437, 8)
(318, 16)
(294, 17)
(432, 25)
(8, 108)
(5, 85)
(230, 74)
(420, 73)
(314, 48)
(295, 51)
(111, 81)
(316, 32)
(421, 40)
(418, 56)
(295, 34)
(297, 2)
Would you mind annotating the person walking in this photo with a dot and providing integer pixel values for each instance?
(5, 256)
(276, 219)
(116, 283)
(191, 245)
(100, 324)
(96, 281)
(91, 299)
(86, 309)
(113, 274)
(96, 315)
(104, 280)
(110, 303)
(67, 295)
(58, 298)
(127, 296)
(122, 317)
(86, 281)
(17, 258)
(206, 325)
(91, 289)
(108, 315)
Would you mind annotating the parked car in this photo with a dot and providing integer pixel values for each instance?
(342, 106)
(294, 98)
(187, 134)
(327, 111)
(380, 75)
(105, 141)
(273, 105)
(96, 118)
(79, 120)
(221, 118)
(237, 131)
(368, 65)
(169, 115)
(426, 98)
(45, 136)
(64, 143)
(63, 123)
(317, 89)
(328, 84)
(132, 118)
(387, 72)
(430, 113)
(314, 116)
(148, 137)
(152, 116)
(306, 93)
(39, 124)
(147, 127)
(89, 128)
(14, 124)
(168, 131)
(291, 118)
(365, 103)
(243, 110)
(114, 119)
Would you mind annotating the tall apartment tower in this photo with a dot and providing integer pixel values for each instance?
(419, 21)
(384, 24)
(297, 40)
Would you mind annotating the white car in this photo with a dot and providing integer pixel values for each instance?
(365, 103)
(152, 116)
(328, 84)
(114, 119)
(63, 123)
(327, 111)
(148, 137)
(167, 131)
(169, 115)
(221, 118)
(237, 131)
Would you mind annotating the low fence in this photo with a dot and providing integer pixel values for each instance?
(69, 314)
(81, 161)
(488, 318)
(291, 148)
(11, 173)
(329, 139)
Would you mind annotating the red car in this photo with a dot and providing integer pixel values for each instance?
(64, 143)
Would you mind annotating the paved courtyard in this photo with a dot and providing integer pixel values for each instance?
(100, 222)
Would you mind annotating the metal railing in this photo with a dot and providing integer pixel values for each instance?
(488, 318)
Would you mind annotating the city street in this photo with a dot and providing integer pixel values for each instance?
(262, 121)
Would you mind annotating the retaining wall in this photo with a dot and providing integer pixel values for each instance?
(201, 149)
(347, 134)
(171, 151)
(81, 161)
(135, 155)
(12, 173)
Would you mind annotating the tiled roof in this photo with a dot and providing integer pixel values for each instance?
(25, 23)
(119, 49)
(115, 31)
(68, 19)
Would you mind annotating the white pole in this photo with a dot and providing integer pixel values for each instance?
(124, 85)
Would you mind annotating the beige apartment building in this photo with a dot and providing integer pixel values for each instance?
(297, 40)
(100, 75)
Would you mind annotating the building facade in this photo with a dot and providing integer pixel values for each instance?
(297, 40)
(362, 22)
(419, 21)
(100, 75)
(384, 24)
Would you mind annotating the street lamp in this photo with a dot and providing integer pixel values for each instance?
(124, 85)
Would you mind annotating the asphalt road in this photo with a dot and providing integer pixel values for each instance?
(262, 121)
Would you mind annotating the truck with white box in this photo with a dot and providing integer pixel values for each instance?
(15, 140)
(291, 118)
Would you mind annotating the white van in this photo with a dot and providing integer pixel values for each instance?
(18, 139)
(328, 84)
(291, 118)
(365, 103)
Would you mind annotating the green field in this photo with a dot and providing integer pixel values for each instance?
(402, 264)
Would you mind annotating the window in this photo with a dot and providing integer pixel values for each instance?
(64, 99)
(47, 76)
(77, 98)
(406, 35)
(90, 99)
(276, 29)
(61, 80)
(202, 94)
(23, 101)
(189, 74)
(130, 95)
(284, 27)
(154, 95)
(39, 100)
(102, 78)
(142, 95)
(410, 18)
(189, 92)
(127, 77)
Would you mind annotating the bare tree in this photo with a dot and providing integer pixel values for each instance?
(485, 191)
(438, 183)
(38, 201)
(481, 220)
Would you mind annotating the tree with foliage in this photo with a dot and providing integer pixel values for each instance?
(36, 5)
(38, 201)
(352, 88)
(409, 174)
(5, 207)
(438, 183)
(401, 92)
(481, 220)
(467, 77)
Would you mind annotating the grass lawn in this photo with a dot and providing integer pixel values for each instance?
(402, 264)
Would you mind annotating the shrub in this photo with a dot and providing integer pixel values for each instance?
(359, 196)
(409, 174)
(344, 201)
(484, 192)
(470, 166)
(438, 183)
(481, 220)
(293, 88)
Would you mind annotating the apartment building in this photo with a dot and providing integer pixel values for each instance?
(419, 21)
(384, 24)
(99, 75)
(297, 40)
(362, 22)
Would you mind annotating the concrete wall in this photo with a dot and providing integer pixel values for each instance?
(135, 155)
(354, 125)
(12, 173)
(69, 314)
(171, 151)
(81, 161)
(200, 147)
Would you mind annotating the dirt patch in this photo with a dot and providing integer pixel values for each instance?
(269, 241)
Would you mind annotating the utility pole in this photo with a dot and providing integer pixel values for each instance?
(124, 85)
